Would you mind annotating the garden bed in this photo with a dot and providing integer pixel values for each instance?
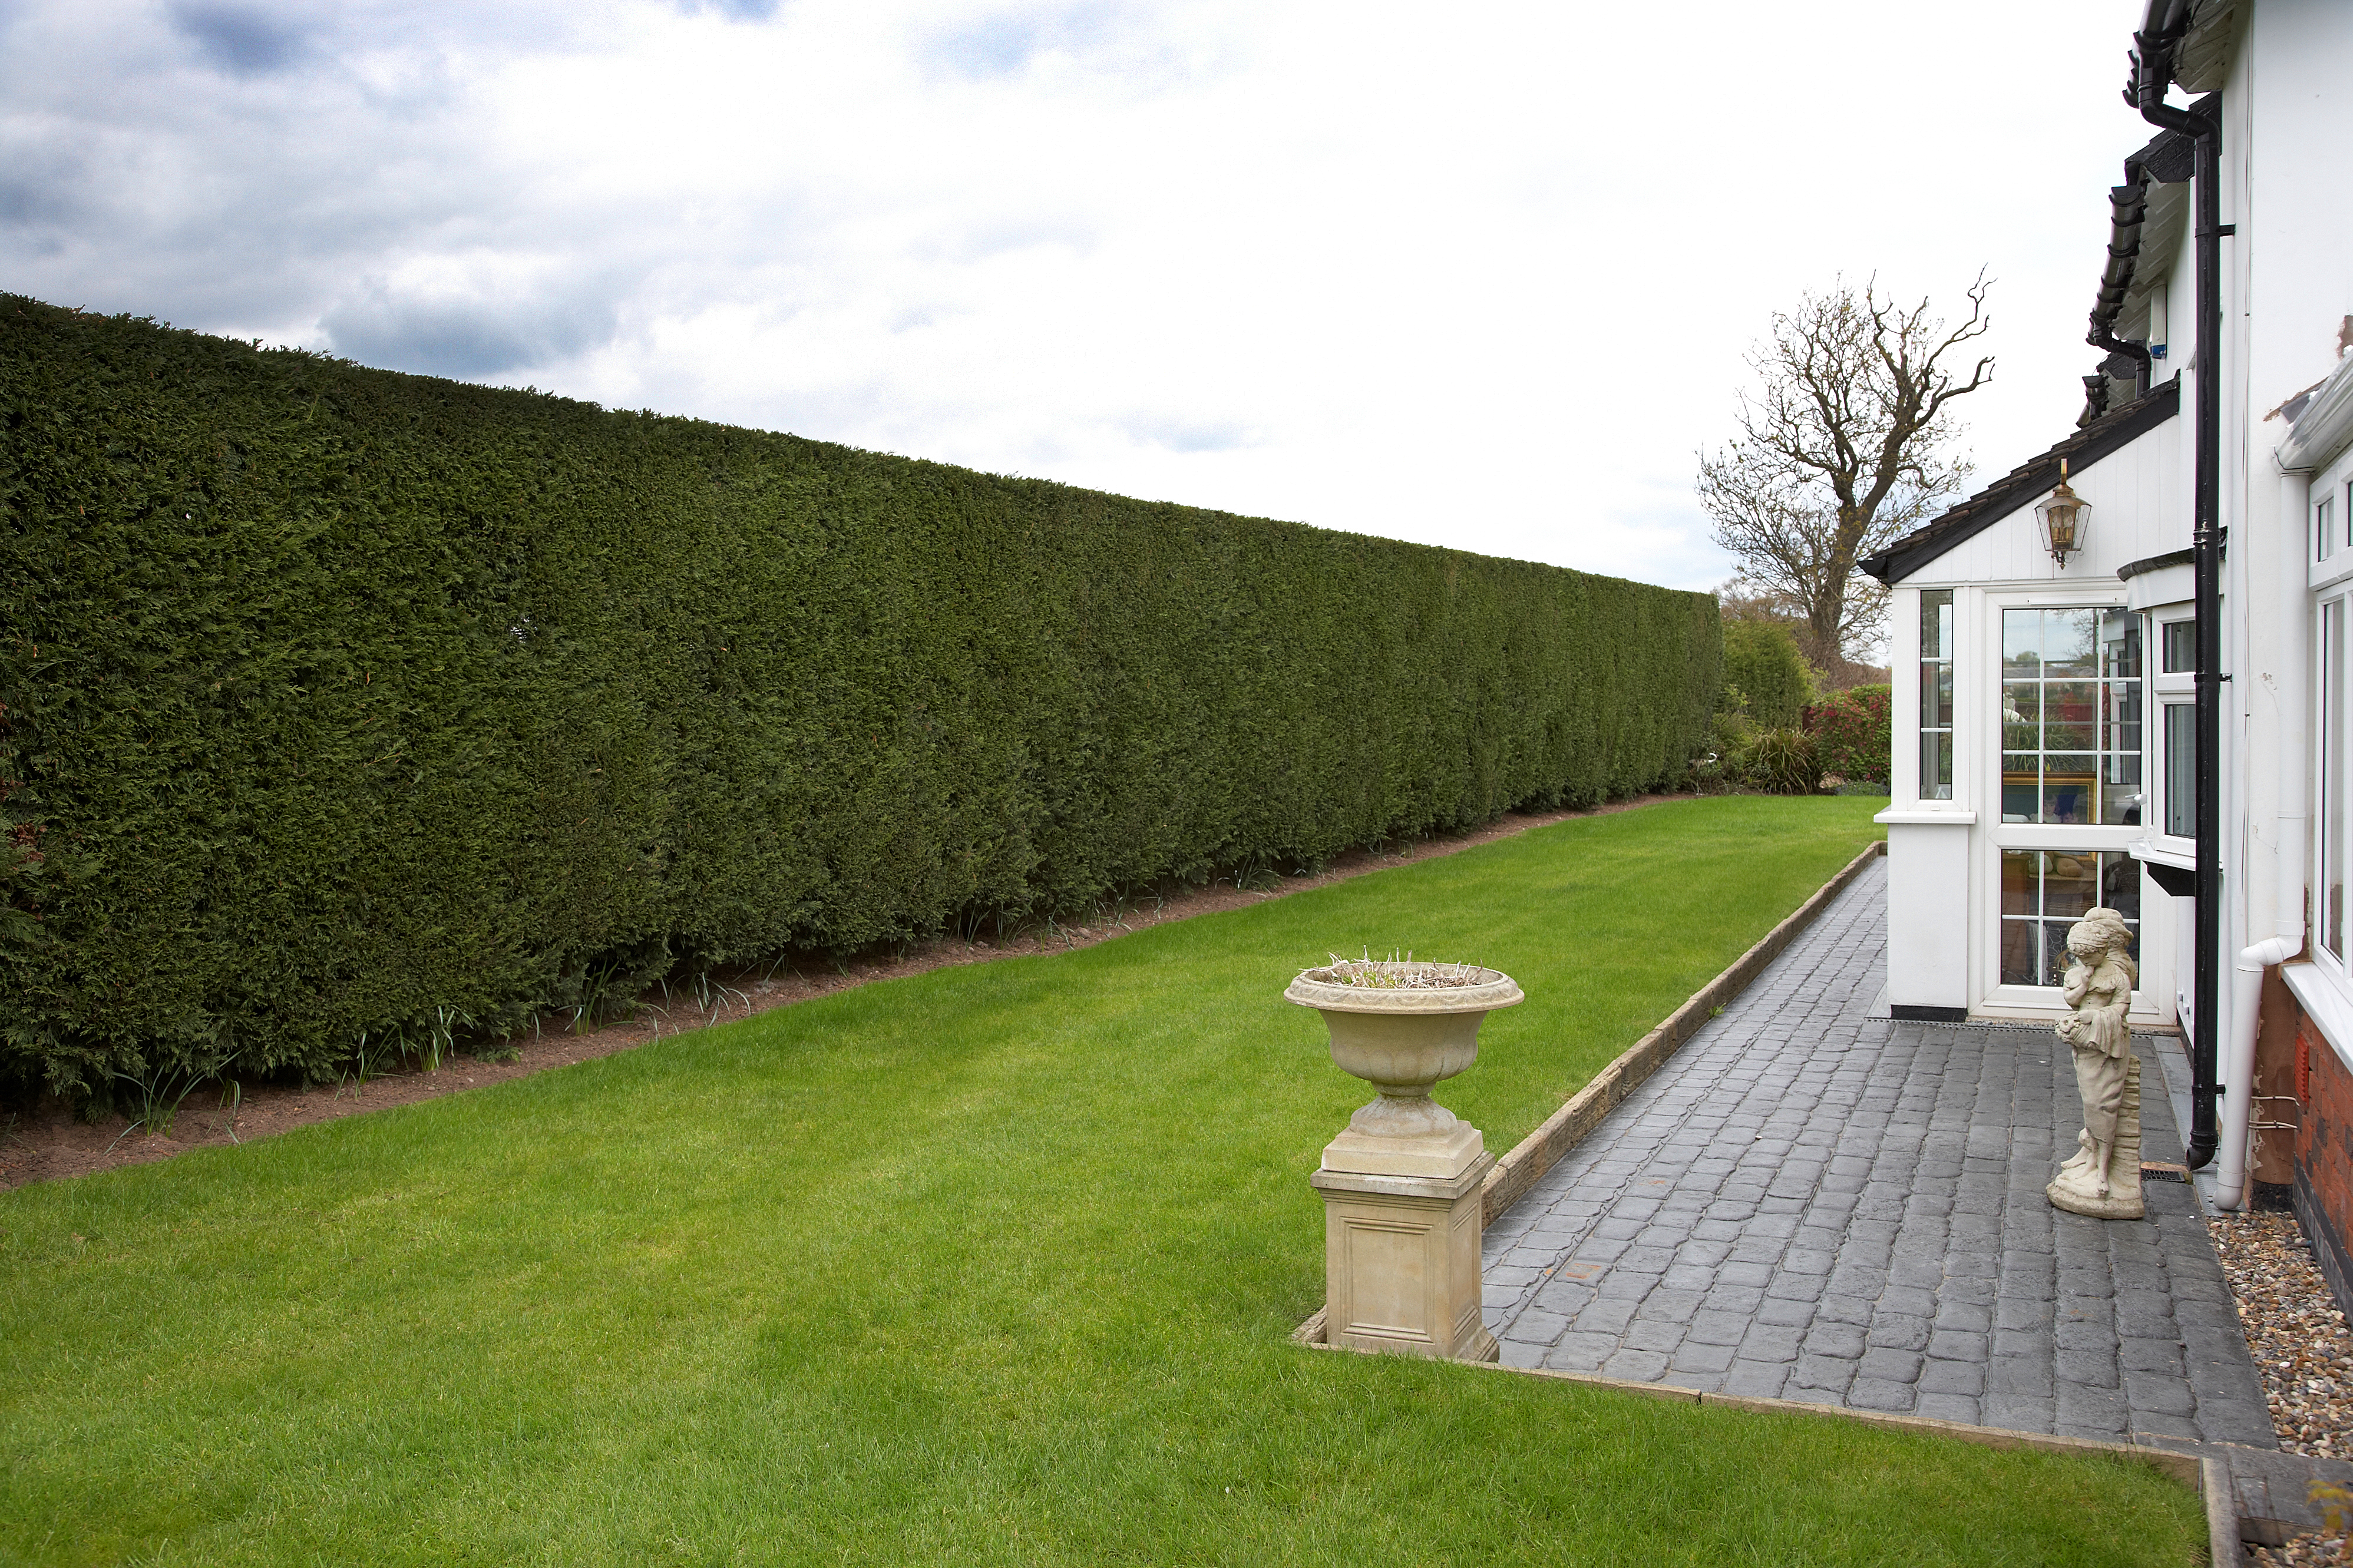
(46, 1141)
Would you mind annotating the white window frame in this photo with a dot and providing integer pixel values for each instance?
(1921, 787)
(2332, 488)
(2166, 689)
(2331, 582)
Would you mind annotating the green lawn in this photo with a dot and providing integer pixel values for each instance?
(992, 1265)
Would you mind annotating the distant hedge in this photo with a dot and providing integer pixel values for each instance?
(332, 697)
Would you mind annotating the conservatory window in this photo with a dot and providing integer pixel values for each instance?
(1937, 694)
(2071, 716)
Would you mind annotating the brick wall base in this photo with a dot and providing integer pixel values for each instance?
(2324, 1158)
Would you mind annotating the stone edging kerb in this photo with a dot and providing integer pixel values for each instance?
(1514, 1173)
(2208, 1476)
(1537, 1153)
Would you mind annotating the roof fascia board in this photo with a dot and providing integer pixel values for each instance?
(2325, 428)
(2201, 60)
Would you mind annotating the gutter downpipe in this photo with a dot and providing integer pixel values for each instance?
(2162, 27)
(2285, 689)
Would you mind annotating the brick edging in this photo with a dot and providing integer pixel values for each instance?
(2187, 1468)
(1534, 1155)
(2213, 1486)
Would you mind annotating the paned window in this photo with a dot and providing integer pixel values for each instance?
(2180, 648)
(2071, 716)
(2324, 528)
(2045, 891)
(2182, 769)
(1937, 694)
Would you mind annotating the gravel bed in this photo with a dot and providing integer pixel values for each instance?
(2294, 1327)
(2301, 1347)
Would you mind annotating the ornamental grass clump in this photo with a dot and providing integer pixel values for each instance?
(1781, 762)
(1395, 974)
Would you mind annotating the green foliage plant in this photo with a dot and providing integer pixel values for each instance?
(158, 1087)
(1853, 734)
(1766, 677)
(335, 696)
(1782, 760)
(989, 1266)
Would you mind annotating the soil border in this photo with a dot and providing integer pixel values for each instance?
(46, 1141)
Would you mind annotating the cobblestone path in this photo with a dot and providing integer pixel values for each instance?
(1810, 1203)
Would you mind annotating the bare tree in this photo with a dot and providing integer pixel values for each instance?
(1842, 449)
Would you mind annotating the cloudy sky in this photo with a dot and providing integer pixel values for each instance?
(1481, 275)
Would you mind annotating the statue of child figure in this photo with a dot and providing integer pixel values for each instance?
(2104, 1178)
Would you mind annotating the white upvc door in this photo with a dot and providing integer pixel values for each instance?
(2061, 722)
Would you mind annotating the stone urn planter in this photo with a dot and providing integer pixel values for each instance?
(1404, 1039)
(1402, 1206)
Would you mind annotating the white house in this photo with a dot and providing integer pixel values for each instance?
(2047, 729)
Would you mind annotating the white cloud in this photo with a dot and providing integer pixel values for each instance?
(1481, 277)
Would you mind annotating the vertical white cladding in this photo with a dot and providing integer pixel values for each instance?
(2288, 274)
(2140, 498)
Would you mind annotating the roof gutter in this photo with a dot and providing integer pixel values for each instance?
(2127, 205)
(2152, 72)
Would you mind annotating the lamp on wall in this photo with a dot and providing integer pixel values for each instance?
(2065, 520)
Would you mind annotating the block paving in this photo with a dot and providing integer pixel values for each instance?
(1810, 1203)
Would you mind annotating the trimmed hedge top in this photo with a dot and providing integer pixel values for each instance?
(333, 696)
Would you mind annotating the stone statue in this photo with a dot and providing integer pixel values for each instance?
(2104, 1178)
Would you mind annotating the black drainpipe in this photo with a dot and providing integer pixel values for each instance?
(2152, 74)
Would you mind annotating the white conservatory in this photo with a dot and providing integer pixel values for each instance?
(2047, 677)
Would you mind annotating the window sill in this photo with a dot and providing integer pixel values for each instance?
(2323, 1000)
(1924, 817)
(2149, 849)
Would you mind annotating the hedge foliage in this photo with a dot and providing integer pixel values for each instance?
(334, 696)
(1766, 678)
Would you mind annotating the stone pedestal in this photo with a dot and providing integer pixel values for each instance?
(1401, 1249)
(1403, 1212)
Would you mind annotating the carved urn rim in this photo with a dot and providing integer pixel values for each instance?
(1312, 988)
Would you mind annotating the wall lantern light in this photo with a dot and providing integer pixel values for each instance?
(2065, 520)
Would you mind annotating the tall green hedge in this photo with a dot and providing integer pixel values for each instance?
(335, 696)
(1764, 671)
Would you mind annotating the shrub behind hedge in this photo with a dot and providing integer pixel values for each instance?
(1853, 734)
(335, 696)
